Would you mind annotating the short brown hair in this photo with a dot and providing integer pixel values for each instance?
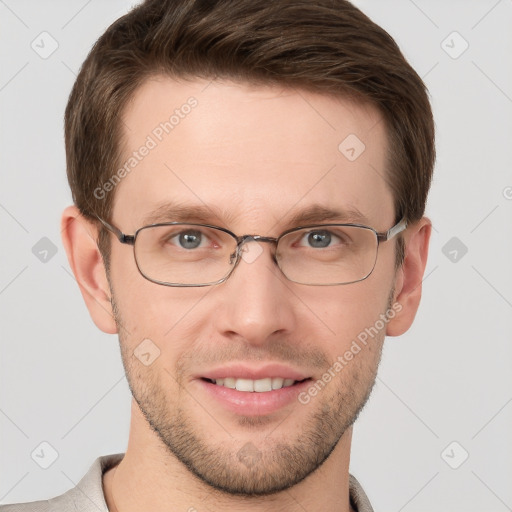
(326, 46)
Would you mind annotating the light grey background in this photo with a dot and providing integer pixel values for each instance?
(448, 379)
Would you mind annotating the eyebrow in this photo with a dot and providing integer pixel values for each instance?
(320, 213)
(204, 214)
(181, 212)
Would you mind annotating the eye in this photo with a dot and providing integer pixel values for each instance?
(189, 239)
(319, 239)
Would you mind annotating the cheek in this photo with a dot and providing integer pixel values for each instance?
(167, 316)
(343, 313)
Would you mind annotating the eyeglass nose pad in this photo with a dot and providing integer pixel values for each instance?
(239, 249)
(232, 257)
(237, 254)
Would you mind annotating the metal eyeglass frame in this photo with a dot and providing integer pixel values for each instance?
(130, 240)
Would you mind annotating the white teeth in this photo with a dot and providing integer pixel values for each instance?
(229, 382)
(244, 385)
(262, 385)
(277, 383)
(259, 385)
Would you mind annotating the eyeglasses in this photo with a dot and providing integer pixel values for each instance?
(188, 254)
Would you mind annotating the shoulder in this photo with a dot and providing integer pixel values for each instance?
(34, 506)
(86, 496)
(57, 504)
(358, 498)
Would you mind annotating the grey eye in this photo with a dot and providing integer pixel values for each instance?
(319, 238)
(190, 239)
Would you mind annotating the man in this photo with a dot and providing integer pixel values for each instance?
(249, 182)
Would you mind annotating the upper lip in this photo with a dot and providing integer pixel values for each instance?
(243, 371)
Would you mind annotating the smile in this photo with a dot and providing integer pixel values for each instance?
(251, 385)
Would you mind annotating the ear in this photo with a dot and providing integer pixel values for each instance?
(79, 237)
(409, 277)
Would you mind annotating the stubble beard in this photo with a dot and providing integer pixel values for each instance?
(239, 467)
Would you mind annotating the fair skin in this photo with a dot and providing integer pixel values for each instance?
(257, 155)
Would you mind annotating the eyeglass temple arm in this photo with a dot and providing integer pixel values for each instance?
(124, 239)
(397, 228)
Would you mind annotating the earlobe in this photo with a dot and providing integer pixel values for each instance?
(408, 283)
(79, 238)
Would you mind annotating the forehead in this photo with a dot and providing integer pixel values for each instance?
(253, 156)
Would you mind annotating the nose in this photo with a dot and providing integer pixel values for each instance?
(256, 302)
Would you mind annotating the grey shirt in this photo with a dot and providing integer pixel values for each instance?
(88, 495)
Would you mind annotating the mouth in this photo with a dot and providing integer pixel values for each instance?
(255, 385)
(245, 389)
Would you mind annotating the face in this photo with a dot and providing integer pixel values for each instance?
(251, 158)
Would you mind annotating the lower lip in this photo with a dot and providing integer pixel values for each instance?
(247, 403)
